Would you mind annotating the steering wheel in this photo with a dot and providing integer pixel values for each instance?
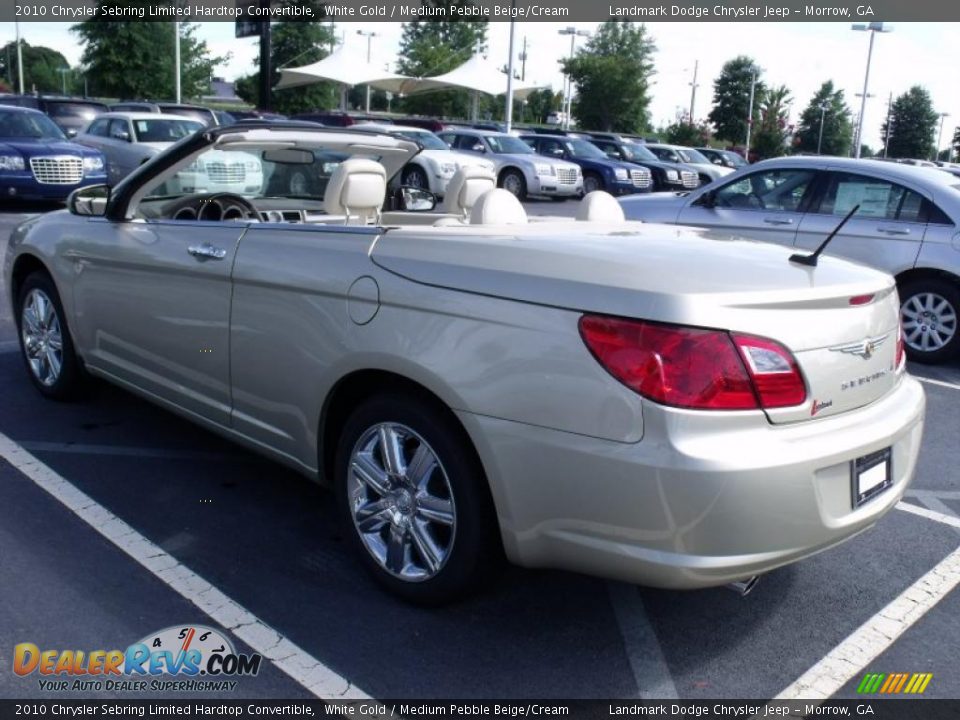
(229, 205)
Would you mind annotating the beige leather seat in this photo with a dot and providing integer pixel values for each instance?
(465, 188)
(356, 190)
(600, 206)
(498, 207)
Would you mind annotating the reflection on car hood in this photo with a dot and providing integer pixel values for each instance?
(29, 147)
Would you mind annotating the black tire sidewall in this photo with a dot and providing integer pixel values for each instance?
(951, 293)
(67, 385)
(593, 176)
(522, 195)
(476, 548)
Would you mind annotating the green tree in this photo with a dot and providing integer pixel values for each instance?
(41, 68)
(771, 134)
(913, 125)
(612, 74)
(541, 103)
(956, 141)
(134, 60)
(731, 98)
(681, 132)
(293, 44)
(837, 126)
(434, 47)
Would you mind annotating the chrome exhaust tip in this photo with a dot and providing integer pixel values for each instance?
(743, 587)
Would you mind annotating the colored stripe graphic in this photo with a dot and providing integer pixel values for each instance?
(894, 683)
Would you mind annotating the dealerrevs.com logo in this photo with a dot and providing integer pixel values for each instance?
(185, 658)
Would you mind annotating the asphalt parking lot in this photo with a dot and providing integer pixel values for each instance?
(266, 538)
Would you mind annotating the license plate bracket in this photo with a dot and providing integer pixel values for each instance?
(870, 475)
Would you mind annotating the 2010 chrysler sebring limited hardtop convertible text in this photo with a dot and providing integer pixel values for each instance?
(627, 400)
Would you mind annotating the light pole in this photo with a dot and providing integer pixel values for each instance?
(886, 135)
(369, 35)
(176, 61)
(823, 114)
(64, 70)
(693, 89)
(508, 115)
(859, 144)
(936, 150)
(872, 28)
(753, 87)
(19, 59)
(568, 93)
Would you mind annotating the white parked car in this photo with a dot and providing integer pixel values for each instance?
(688, 156)
(431, 168)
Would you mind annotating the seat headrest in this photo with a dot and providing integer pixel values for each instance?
(498, 207)
(466, 186)
(356, 189)
(600, 206)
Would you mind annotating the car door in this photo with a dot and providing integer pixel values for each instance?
(765, 205)
(122, 138)
(887, 230)
(152, 307)
(96, 137)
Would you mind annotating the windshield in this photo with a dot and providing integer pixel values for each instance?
(584, 149)
(692, 156)
(29, 125)
(635, 151)
(509, 144)
(165, 130)
(734, 159)
(428, 140)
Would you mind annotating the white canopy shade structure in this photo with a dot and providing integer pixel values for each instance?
(347, 66)
(477, 74)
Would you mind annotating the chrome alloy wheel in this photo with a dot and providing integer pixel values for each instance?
(929, 321)
(42, 337)
(513, 184)
(401, 502)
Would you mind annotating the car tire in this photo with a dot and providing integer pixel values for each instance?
(415, 177)
(428, 539)
(45, 343)
(592, 182)
(929, 309)
(514, 183)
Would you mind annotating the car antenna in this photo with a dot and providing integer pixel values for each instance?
(812, 258)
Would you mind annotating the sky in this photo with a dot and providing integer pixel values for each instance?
(799, 55)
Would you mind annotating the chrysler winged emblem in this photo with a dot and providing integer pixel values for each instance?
(864, 348)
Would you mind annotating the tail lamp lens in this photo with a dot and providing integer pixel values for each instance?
(693, 367)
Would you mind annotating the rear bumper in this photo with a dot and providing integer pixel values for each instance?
(701, 500)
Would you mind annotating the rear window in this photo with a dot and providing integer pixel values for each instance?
(165, 130)
(204, 116)
(87, 111)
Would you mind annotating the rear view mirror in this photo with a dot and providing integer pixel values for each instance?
(708, 200)
(91, 200)
(71, 133)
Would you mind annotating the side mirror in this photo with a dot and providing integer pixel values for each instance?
(718, 161)
(708, 200)
(71, 132)
(91, 200)
(121, 135)
(557, 152)
(414, 199)
(613, 154)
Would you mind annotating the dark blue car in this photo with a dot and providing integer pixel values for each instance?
(37, 162)
(599, 171)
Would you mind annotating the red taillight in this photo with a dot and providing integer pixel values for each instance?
(693, 367)
(860, 299)
(901, 350)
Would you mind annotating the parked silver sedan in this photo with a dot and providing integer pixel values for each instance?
(129, 139)
(520, 170)
(907, 224)
(627, 400)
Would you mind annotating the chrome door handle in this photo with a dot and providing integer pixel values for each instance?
(778, 221)
(893, 230)
(206, 251)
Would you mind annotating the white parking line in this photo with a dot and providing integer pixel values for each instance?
(867, 642)
(941, 383)
(129, 451)
(643, 650)
(305, 669)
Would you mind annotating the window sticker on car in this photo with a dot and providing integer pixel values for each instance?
(872, 198)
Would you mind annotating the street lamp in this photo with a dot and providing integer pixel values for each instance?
(872, 28)
(64, 70)
(823, 113)
(369, 35)
(693, 89)
(753, 87)
(936, 150)
(568, 93)
(19, 58)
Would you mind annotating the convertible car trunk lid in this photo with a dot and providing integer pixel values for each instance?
(839, 319)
